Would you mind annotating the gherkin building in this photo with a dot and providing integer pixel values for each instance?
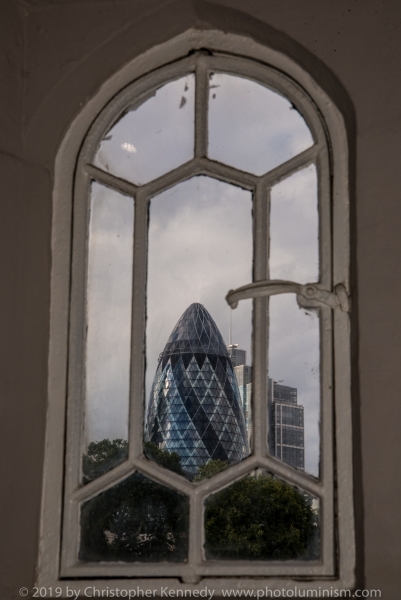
(195, 406)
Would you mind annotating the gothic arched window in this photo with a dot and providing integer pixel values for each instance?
(209, 330)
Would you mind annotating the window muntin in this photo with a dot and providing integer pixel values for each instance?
(312, 296)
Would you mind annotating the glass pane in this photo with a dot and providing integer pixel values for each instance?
(154, 137)
(294, 228)
(261, 517)
(136, 520)
(294, 384)
(109, 295)
(200, 246)
(251, 127)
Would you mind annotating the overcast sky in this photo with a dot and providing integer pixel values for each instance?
(200, 242)
(200, 247)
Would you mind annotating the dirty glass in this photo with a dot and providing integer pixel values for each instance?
(153, 136)
(294, 223)
(261, 517)
(200, 246)
(108, 336)
(135, 520)
(252, 127)
(294, 383)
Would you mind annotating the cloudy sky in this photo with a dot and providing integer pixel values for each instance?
(200, 247)
(108, 314)
(200, 242)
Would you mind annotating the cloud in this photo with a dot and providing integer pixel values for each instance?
(294, 244)
(251, 127)
(109, 297)
(200, 242)
(154, 137)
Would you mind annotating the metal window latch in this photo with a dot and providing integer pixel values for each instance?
(308, 295)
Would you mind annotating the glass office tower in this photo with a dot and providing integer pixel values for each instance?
(286, 431)
(195, 406)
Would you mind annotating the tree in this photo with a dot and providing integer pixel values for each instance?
(103, 456)
(210, 468)
(259, 518)
(137, 519)
(169, 460)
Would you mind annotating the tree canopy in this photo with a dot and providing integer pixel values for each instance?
(137, 519)
(257, 517)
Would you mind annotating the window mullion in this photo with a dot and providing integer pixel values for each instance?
(136, 416)
(325, 230)
(201, 107)
(260, 318)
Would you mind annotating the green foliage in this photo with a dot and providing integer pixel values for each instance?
(169, 460)
(103, 456)
(210, 468)
(139, 519)
(259, 518)
(136, 519)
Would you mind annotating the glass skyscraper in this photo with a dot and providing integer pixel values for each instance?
(286, 416)
(195, 407)
(286, 431)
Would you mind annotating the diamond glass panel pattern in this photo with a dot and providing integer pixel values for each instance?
(195, 406)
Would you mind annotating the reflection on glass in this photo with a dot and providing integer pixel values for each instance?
(110, 256)
(136, 520)
(261, 517)
(294, 384)
(294, 234)
(251, 127)
(154, 137)
(200, 246)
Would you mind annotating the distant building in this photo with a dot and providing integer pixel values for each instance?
(195, 407)
(243, 373)
(286, 416)
(286, 420)
(238, 356)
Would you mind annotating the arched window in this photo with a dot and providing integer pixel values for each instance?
(209, 330)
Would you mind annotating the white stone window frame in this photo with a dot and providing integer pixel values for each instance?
(58, 556)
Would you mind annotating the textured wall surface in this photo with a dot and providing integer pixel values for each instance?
(53, 58)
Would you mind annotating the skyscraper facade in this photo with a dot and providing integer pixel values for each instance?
(286, 416)
(286, 424)
(195, 406)
(243, 374)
